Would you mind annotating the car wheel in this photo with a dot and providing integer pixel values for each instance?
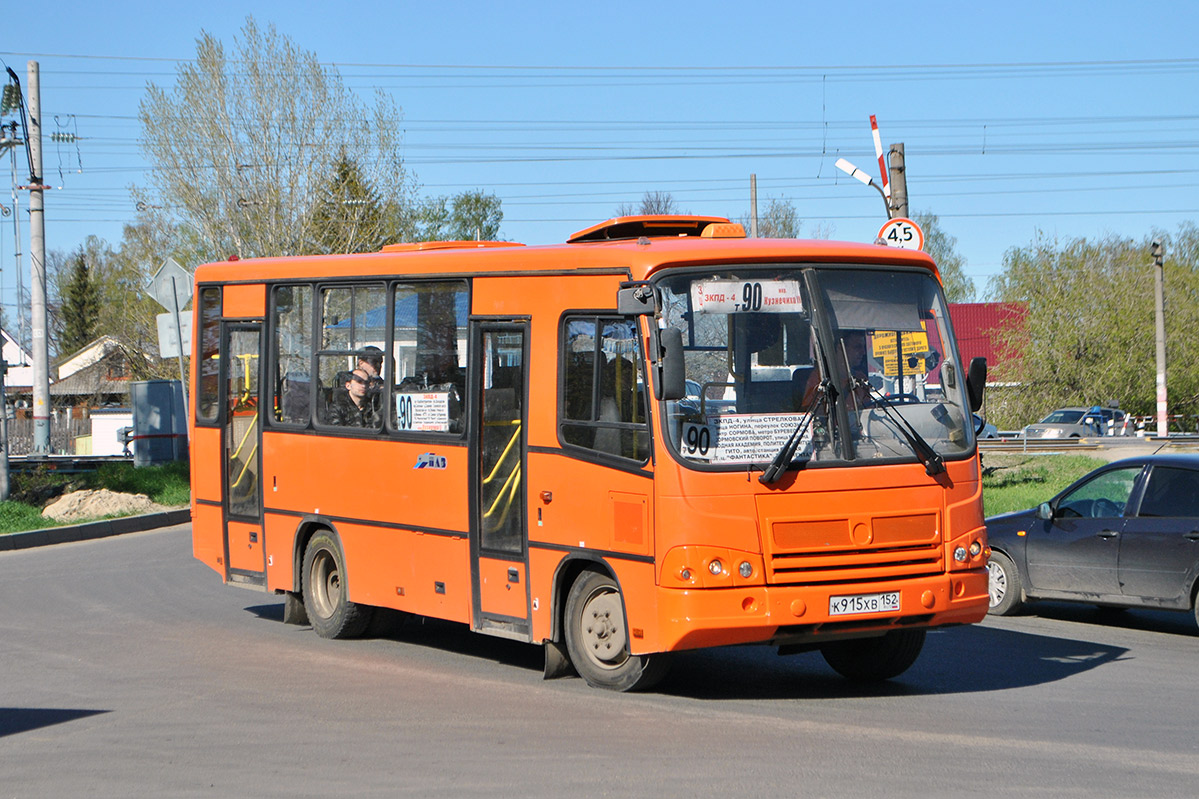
(1004, 588)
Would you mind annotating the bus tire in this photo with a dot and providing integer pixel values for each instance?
(1004, 590)
(875, 659)
(326, 596)
(598, 642)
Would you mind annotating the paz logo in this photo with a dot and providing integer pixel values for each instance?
(430, 461)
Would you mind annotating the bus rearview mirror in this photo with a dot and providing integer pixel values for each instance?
(636, 301)
(976, 379)
(671, 382)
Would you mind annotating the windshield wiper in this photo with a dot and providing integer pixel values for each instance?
(786, 455)
(934, 464)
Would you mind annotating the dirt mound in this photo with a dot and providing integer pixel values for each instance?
(97, 503)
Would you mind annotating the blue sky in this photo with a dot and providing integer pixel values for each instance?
(1073, 119)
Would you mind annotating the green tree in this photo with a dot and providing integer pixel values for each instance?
(469, 216)
(80, 309)
(124, 310)
(1090, 328)
(351, 216)
(243, 148)
(476, 216)
(959, 287)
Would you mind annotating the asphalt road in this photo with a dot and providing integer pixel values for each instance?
(127, 669)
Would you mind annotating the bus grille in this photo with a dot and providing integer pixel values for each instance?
(834, 551)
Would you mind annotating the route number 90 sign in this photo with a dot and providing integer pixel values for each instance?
(902, 233)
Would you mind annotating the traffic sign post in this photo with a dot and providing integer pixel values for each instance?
(174, 335)
(171, 286)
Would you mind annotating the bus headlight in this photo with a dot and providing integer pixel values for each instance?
(711, 567)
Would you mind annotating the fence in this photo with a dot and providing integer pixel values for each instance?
(63, 432)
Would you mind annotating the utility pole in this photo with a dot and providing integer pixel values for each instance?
(37, 259)
(4, 484)
(753, 205)
(899, 183)
(1159, 256)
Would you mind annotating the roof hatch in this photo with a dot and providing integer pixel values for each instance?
(659, 226)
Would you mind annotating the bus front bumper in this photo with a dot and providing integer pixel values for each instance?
(787, 614)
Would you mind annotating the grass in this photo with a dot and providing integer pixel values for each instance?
(1016, 481)
(31, 491)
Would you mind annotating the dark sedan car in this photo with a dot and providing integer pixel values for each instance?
(1125, 535)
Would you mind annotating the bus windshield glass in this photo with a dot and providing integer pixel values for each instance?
(858, 362)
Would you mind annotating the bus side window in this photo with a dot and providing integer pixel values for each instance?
(291, 349)
(603, 387)
(209, 401)
(429, 350)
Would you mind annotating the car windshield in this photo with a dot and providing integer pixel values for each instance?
(770, 351)
(1064, 416)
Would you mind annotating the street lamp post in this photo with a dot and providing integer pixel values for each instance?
(859, 175)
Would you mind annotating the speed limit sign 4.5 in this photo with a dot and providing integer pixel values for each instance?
(902, 233)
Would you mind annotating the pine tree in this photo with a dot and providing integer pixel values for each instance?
(80, 307)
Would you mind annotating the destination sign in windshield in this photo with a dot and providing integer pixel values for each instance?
(746, 296)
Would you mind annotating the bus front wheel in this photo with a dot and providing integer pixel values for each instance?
(597, 639)
(875, 659)
(326, 598)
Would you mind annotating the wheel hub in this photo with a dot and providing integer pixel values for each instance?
(996, 584)
(603, 629)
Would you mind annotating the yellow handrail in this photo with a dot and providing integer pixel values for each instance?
(237, 452)
(507, 492)
(509, 488)
(507, 449)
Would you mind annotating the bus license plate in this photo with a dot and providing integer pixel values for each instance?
(886, 602)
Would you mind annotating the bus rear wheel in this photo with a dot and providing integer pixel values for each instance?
(875, 659)
(597, 639)
(326, 597)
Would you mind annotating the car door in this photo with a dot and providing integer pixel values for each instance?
(1077, 551)
(1159, 547)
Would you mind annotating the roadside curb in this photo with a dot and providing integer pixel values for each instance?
(92, 530)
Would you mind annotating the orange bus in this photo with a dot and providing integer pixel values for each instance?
(658, 436)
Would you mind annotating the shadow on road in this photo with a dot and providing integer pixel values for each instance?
(15, 720)
(1147, 620)
(955, 660)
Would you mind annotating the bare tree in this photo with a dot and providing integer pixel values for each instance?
(779, 220)
(244, 148)
(652, 204)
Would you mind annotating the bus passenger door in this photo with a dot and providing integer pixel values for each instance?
(241, 437)
(499, 535)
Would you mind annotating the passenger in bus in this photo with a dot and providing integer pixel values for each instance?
(370, 360)
(353, 408)
(851, 350)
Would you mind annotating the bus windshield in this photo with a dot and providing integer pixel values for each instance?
(857, 361)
